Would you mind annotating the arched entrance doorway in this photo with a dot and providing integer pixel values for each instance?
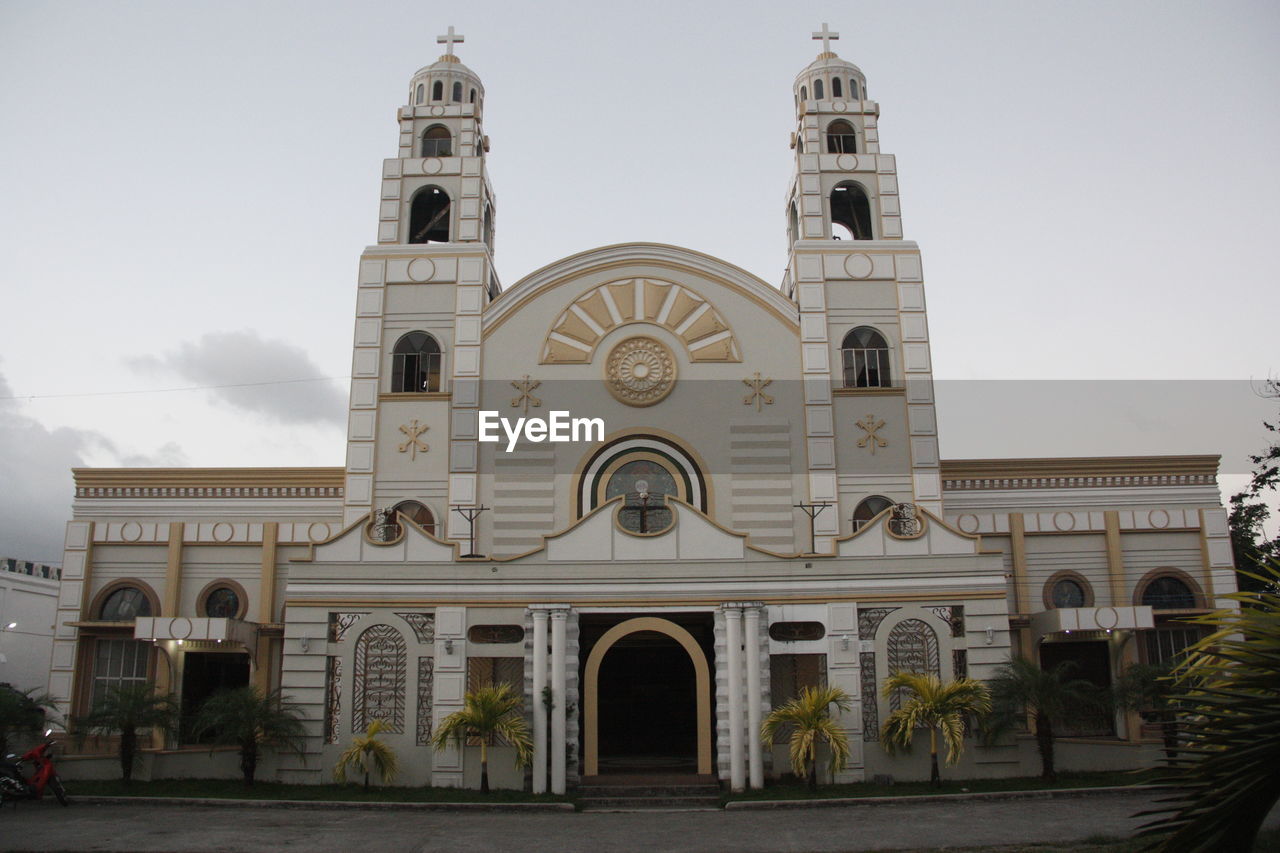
(627, 659)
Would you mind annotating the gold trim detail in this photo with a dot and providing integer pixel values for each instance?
(412, 444)
(868, 392)
(526, 387)
(871, 440)
(640, 371)
(757, 395)
(578, 331)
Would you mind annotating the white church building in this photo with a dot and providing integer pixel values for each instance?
(749, 498)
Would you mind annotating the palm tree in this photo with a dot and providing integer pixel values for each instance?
(1227, 778)
(1049, 695)
(809, 718)
(490, 714)
(929, 703)
(367, 752)
(250, 719)
(127, 709)
(22, 711)
(1149, 689)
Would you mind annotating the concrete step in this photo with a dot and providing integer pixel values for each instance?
(649, 790)
(649, 802)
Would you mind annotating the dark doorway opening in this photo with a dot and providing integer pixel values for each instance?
(203, 674)
(648, 706)
(1090, 660)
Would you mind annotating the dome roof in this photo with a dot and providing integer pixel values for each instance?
(829, 62)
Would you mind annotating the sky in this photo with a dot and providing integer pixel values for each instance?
(187, 188)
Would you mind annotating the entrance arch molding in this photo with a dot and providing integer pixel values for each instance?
(591, 687)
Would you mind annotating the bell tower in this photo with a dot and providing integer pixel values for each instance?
(872, 433)
(421, 292)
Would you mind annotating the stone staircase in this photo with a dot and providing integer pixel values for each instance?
(634, 793)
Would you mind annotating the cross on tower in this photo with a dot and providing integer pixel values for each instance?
(824, 34)
(449, 39)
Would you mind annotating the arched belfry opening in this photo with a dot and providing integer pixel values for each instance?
(850, 213)
(841, 138)
(647, 703)
(429, 216)
(437, 141)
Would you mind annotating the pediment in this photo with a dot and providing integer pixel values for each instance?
(936, 538)
(599, 537)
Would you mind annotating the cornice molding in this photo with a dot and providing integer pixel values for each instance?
(1079, 472)
(208, 482)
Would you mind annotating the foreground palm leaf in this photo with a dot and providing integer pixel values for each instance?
(1228, 775)
(128, 709)
(252, 720)
(491, 714)
(930, 704)
(1049, 695)
(367, 753)
(809, 718)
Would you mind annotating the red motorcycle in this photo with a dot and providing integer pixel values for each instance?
(17, 785)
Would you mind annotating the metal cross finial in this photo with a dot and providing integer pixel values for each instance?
(449, 39)
(824, 34)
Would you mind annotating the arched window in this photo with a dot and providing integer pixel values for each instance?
(1169, 592)
(437, 91)
(437, 142)
(125, 603)
(804, 93)
(457, 92)
(836, 91)
(850, 212)
(817, 90)
(865, 356)
(488, 225)
(418, 514)
(422, 93)
(472, 99)
(642, 483)
(378, 682)
(869, 508)
(841, 138)
(415, 364)
(853, 89)
(429, 216)
(793, 223)
(912, 647)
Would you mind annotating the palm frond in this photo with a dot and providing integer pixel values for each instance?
(808, 717)
(488, 713)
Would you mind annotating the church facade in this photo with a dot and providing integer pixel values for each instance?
(654, 493)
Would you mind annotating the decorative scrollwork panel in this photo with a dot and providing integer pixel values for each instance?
(912, 647)
(379, 679)
(332, 698)
(426, 679)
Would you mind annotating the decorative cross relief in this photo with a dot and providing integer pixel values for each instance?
(757, 395)
(525, 386)
(871, 440)
(412, 445)
(449, 39)
(824, 35)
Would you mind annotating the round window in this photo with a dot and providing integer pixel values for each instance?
(1068, 593)
(222, 603)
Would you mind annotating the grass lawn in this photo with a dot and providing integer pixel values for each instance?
(799, 791)
(237, 790)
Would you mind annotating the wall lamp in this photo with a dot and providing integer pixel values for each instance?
(305, 642)
(448, 646)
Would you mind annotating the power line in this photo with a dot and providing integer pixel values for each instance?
(172, 390)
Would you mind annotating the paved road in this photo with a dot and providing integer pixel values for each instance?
(194, 829)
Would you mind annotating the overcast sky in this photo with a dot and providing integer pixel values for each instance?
(186, 188)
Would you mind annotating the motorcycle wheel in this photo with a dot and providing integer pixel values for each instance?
(58, 791)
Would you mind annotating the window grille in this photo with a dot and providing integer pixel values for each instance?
(118, 663)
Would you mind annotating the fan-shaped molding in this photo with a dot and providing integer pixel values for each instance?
(576, 333)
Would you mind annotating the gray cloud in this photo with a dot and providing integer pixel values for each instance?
(35, 478)
(239, 358)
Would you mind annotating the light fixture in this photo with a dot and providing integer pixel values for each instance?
(11, 626)
(304, 641)
(844, 642)
(448, 646)
(991, 636)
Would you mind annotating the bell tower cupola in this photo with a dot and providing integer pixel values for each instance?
(838, 194)
(446, 197)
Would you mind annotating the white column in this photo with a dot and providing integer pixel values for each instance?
(558, 719)
(539, 709)
(752, 658)
(733, 639)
